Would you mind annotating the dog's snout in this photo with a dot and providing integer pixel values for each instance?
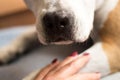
(55, 21)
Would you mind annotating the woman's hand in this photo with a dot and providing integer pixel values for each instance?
(68, 69)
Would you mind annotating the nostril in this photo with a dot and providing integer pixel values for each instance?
(48, 20)
(64, 22)
(53, 20)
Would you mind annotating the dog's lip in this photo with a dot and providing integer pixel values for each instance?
(62, 42)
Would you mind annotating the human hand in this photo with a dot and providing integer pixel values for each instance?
(68, 69)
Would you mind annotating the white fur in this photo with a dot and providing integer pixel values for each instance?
(84, 15)
(98, 61)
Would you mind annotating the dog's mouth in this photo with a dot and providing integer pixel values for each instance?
(60, 39)
(70, 42)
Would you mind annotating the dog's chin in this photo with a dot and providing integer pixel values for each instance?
(62, 42)
(43, 41)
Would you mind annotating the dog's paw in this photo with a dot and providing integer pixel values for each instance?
(5, 56)
(8, 54)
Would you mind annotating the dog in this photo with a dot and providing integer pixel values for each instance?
(69, 21)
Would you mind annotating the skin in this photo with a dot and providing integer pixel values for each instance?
(67, 70)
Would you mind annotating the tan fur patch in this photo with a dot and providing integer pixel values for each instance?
(110, 35)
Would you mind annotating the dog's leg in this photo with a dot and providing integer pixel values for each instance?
(105, 58)
(20, 45)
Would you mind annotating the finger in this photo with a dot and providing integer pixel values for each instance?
(69, 59)
(87, 76)
(46, 69)
(73, 67)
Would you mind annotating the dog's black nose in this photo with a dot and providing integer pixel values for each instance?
(55, 21)
(57, 25)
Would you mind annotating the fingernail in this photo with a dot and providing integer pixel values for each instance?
(54, 60)
(86, 54)
(74, 54)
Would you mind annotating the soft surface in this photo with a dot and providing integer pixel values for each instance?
(35, 59)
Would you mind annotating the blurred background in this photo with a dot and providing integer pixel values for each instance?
(15, 13)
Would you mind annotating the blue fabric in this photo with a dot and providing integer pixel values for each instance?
(7, 35)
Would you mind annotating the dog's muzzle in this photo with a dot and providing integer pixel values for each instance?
(57, 26)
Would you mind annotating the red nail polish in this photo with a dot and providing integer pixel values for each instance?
(74, 54)
(54, 61)
(85, 54)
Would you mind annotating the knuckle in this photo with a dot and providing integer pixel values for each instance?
(70, 65)
(73, 65)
